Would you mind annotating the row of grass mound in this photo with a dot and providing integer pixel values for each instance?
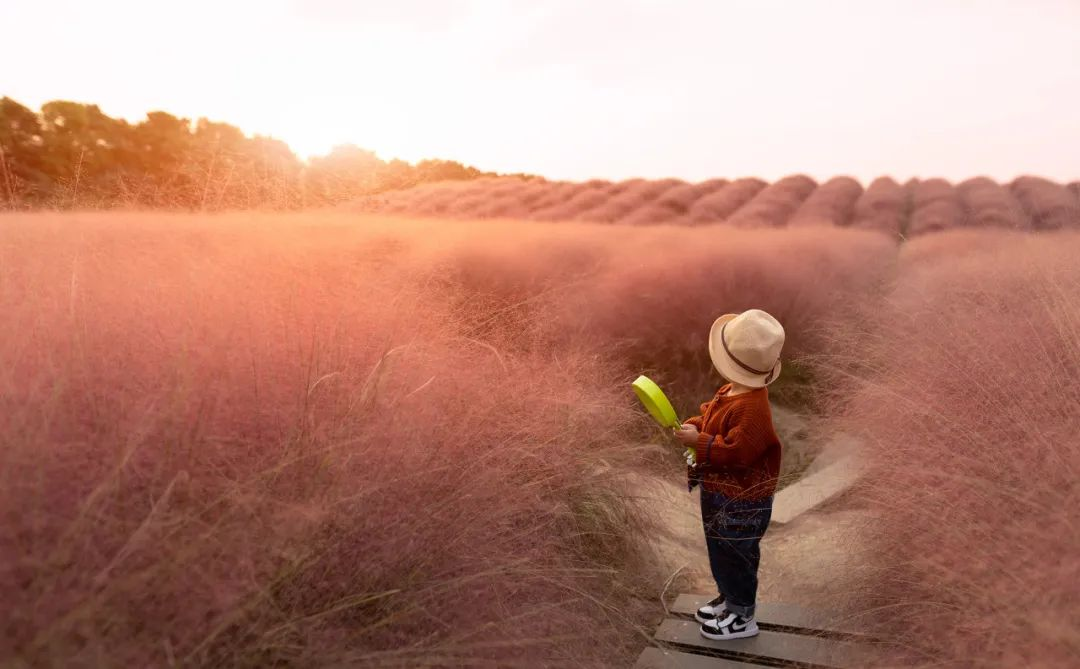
(911, 209)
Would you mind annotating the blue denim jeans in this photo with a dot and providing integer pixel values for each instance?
(733, 531)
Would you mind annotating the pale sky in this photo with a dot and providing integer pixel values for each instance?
(589, 88)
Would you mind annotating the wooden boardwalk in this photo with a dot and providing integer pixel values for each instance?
(814, 489)
(790, 636)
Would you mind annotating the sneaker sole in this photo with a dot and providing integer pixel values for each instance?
(728, 637)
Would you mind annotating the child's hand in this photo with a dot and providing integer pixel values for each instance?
(687, 434)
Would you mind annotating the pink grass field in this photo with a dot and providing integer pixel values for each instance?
(915, 208)
(963, 384)
(327, 438)
(310, 439)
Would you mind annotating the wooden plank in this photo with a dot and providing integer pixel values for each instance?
(777, 616)
(815, 489)
(667, 658)
(768, 647)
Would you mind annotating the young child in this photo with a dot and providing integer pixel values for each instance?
(738, 459)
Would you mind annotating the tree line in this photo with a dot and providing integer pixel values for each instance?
(73, 155)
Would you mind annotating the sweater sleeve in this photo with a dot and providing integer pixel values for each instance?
(697, 421)
(745, 441)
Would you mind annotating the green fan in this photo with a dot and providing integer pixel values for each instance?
(655, 402)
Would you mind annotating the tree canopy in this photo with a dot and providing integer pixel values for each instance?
(72, 154)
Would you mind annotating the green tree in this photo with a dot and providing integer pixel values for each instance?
(86, 151)
(22, 178)
(73, 154)
(231, 171)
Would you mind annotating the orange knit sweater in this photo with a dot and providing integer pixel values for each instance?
(738, 452)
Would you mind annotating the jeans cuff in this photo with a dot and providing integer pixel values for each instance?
(744, 611)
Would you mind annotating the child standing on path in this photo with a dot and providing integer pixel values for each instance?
(738, 460)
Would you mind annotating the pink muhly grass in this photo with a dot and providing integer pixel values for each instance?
(988, 204)
(884, 205)
(935, 207)
(654, 313)
(831, 203)
(579, 282)
(652, 213)
(436, 199)
(774, 204)
(465, 197)
(515, 203)
(625, 185)
(962, 387)
(467, 204)
(553, 206)
(672, 204)
(657, 312)
(484, 192)
(1074, 188)
(266, 440)
(582, 201)
(1051, 206)
(487, 189)
(680, 197)
(718, 205)
(626, 201)
(424, 198)
(601, 183)
(557, 193)
(912, 209)
(675, 192)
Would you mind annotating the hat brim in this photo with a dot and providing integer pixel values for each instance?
(728, 368)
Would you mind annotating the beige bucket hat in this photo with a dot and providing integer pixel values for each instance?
(745, 348)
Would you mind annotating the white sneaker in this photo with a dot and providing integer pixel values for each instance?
(712, 610)
(733, 626)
